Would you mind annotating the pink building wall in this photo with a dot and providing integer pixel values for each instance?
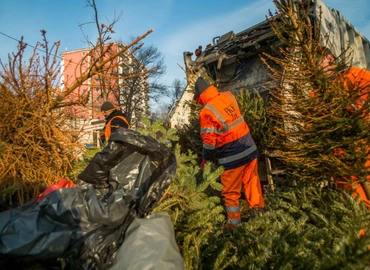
(74, 64)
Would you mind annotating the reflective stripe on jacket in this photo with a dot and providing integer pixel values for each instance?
(223, 128)
(108, 126)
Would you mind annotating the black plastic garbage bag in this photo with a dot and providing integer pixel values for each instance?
(83, 226)
(49, 228)
(149, 244)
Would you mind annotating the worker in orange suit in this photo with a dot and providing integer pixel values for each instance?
(358, 78)
(114, 119)
(223, 129)
(353, 78)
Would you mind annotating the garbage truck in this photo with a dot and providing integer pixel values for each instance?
(234, 63)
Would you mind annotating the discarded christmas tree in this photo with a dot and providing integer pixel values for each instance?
(311, 108)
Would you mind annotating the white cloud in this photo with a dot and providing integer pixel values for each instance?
(201, 32)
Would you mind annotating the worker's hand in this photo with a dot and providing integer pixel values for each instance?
(203, 163)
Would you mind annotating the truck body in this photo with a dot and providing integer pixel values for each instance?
(233, 60)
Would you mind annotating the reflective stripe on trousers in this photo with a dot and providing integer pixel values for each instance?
(233, 215)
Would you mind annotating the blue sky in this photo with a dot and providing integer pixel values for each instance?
(178, 25)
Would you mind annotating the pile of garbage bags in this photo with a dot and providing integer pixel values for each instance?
(103, 222)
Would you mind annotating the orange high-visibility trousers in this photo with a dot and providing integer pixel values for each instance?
(233, 180)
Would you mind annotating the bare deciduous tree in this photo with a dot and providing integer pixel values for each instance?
(104, 47)
(148, 58)
(178, 88)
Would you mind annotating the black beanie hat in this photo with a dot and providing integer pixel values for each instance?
(107, 105)
(200, 86)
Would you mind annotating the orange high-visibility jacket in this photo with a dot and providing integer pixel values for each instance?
(223, 128)
(357, 78)
(353, 79)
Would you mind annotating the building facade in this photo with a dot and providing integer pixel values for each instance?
(118, 84)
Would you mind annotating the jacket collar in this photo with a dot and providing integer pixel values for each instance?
(208, 94)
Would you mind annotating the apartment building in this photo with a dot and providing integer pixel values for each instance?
(130, 94)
